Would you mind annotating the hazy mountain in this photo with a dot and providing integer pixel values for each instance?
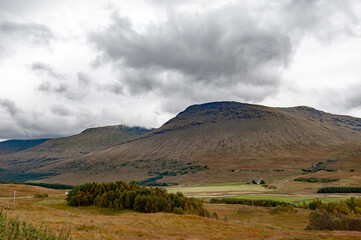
(207, 141)
(60, 149)
(12, 146)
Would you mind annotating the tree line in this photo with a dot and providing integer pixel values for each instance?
(250, 202)
(339, 190)
(121, 195)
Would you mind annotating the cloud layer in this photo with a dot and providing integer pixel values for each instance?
(141, 62)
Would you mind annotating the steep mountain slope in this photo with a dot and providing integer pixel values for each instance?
(12, 146)
(15, 166)
(209, 142)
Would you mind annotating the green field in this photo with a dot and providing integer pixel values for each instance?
(218, 189)
(289, 199)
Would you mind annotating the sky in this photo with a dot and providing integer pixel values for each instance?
(69, 65)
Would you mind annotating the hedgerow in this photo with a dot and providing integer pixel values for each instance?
(249, 202)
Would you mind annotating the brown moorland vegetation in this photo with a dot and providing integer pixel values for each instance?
(235, 221)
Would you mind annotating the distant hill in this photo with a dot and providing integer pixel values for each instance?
(15, 166)
(220, 141)
(12, 146)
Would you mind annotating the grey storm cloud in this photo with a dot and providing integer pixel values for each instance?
(9, 106)
(204, 47)
(230, 50)
(35, 33)
(210, 51)
(68, 87)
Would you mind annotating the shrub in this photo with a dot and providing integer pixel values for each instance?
(283, 209)
(41, 195)
(215, 215)
(320, 220)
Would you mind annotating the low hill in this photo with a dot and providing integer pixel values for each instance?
(220, 141)
(12, 146)
(14, 167)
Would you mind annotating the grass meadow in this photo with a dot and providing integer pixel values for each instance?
(234, 221)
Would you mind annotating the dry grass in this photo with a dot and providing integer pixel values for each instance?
(7, 190)
(93, 223)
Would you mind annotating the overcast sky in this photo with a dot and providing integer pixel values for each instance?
(68, 65)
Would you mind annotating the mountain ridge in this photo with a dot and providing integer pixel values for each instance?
(206, 141)
(221, 135)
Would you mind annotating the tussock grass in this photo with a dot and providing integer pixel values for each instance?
(13, 228)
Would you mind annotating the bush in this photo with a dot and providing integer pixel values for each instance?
(283, 209)
(320, 220)
(215, 215)
(41, 195)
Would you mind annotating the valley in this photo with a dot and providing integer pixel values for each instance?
(234, 221)
(228, 155)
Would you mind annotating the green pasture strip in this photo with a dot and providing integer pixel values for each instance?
(290, 199)
(218, 189)
(218, 184)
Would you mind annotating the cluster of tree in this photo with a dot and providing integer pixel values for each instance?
(316, 180)
(120, 195)
(249, 202)
(343, 215)
(339, 190)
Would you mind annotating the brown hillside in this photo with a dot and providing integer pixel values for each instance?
(205, 142)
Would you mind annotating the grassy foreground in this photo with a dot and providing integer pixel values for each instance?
(234, 221)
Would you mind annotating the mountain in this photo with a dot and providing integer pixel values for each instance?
(12, 146)
(212, 142)
(20, 165)
(220, 141)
